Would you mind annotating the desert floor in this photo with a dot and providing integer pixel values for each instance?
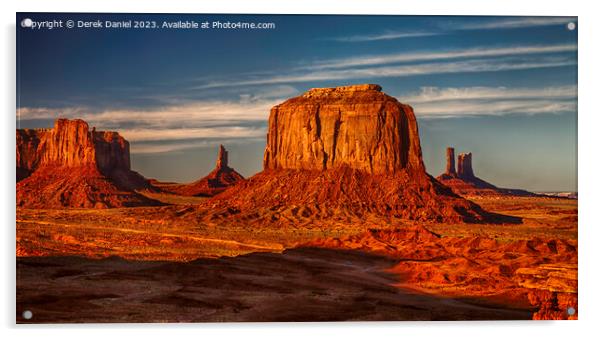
(153, 265)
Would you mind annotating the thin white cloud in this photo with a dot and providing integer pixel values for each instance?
(432, 102)
(201, 113)
(139, 134)
(389, 35)
(441, 55)
(192, 123)
(28, 113)
(471, 66)
(473, 24)
(435, 94)
(146, 148)
(512, 23)
(150, 148)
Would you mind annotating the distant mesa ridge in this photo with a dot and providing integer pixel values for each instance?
(73, 166)
(70, 144)
(464, 182)
(341, 153)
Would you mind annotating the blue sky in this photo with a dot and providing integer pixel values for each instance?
(504, 88)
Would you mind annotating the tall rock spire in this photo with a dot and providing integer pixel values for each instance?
(465, 165)
(218, 180)
(464, 182)
(450, 169)
(222, 158)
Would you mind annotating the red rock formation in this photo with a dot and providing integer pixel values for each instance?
(323, 129)
(222, 158)
(537, 274)
(27, 157)
(221, 178)
(465, 166)
(451, 164)
(450, 168)
(337, 153)
(71, 166)
(464, 181)
(71, 144)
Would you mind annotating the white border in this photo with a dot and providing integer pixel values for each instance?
(589, 164)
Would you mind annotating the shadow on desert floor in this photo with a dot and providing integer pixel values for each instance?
(302, 284)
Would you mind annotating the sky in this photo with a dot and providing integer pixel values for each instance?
(503, 88)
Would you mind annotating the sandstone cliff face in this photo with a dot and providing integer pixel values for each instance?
(340, 154)
(73, 166)
(355, 126)
(71, 144)
(217, 181)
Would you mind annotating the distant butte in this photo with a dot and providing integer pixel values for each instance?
(73, 166)
(336, 153)
(464, 182)
(218, 180)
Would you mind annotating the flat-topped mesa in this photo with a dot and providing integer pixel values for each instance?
(465, 166)
(73, 166)
(321, 92)
(352, 126)
(338, 154)
(70, 143)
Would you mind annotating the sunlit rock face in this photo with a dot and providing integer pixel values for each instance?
(72, 165)
(353, 126)
(71, 143)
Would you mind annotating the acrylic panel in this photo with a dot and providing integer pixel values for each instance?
(286, 168)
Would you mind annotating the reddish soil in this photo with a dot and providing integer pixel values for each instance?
(307, 284)
(529, 268)
(340, 195)
(214, 183)
(79, 187)
(524, 272)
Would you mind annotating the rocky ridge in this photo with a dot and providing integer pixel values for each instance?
(73, 166)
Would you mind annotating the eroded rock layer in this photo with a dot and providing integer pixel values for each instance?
(346, 153)
(73, 166)
(354, 126)
(539, 274)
